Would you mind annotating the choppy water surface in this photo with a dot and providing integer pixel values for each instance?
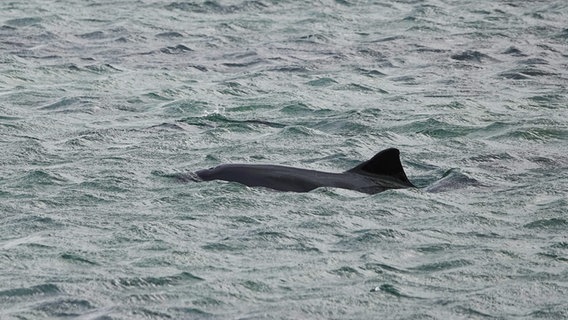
(102, 101)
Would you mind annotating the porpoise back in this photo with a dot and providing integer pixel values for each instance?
(382, 172)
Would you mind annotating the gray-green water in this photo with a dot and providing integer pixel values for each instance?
(101, 101)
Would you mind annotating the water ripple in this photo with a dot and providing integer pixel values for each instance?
(104, 103)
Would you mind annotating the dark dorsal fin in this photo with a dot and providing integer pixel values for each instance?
(384, 163)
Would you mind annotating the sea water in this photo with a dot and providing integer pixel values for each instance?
(102, 102)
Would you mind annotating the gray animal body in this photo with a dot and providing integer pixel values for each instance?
(382, 172)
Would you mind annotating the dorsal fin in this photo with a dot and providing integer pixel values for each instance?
(384, 163)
